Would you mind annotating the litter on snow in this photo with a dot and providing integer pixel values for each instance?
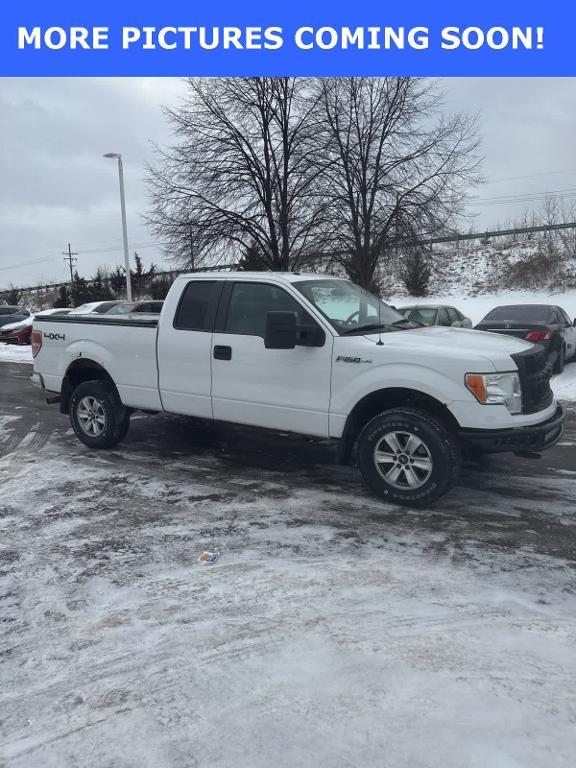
(209, 557)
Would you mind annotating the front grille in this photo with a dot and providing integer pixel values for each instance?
(535, 373)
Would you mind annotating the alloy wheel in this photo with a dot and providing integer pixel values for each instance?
(91, 416)
(403, 460)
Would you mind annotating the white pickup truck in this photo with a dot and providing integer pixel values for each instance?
(307, 354)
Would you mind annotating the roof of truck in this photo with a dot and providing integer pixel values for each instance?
(289, 277)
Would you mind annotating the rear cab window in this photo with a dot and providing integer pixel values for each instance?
(197, 306)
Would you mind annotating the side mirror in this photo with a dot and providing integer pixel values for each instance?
(280, 331)
(310, 335)
(575, 322)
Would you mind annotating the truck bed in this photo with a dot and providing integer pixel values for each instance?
(124, 345)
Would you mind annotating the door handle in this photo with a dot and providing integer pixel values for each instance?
(222, 353)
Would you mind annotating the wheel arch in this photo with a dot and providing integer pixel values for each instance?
(383, 400)
(80, 370)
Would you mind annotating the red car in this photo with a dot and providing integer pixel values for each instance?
(20, 333)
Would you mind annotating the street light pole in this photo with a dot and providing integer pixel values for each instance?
(116, 156)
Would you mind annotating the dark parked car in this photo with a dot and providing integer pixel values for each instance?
(10, 314)
(21, 332)
(544, 324)
(438, 314)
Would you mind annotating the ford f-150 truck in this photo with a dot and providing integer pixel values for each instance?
(308, 354)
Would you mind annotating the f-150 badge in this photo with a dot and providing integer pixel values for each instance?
(345, 359)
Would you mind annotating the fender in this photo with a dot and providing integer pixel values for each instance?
(409, 376)
(83, 349)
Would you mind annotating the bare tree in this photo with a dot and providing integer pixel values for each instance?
(240, 175)
(393, 165)
(12, 295)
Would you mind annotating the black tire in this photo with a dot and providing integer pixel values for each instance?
(124, 425)
(560, 360)
(439, 454)
(115, 419)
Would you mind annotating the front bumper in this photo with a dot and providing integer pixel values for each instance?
(536, 437)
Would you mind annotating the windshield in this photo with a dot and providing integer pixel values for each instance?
(347, 306)
(424, 315)
(121, 309)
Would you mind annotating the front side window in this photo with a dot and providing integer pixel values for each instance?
(348, 307)
(197, 306)
(250, 304)
(453, 315)
(443, 318)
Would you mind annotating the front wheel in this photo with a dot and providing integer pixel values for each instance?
(97, 416)
(408, 457)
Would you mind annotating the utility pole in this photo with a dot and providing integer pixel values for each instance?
(69, 257)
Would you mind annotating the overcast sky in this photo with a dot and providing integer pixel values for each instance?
(56, 188)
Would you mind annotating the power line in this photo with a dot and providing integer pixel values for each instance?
(532, 175)
(520, 196)
(29, 263)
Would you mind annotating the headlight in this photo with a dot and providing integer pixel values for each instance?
(496, 389)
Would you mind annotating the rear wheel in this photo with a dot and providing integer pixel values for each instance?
(97, 416)
(408, 457)
(560, 360)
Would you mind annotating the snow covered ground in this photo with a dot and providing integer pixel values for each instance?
(334, 630)
(11, 353)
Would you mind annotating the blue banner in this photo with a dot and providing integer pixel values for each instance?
(258, 37)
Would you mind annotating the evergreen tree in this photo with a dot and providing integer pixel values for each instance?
(252, 260)
(100, 286)
(63, 299)
(416, 271)
(141, 278)
(159, 287)
(81, 292)
(117, 281)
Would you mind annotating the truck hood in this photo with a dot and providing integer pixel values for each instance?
(462, 343)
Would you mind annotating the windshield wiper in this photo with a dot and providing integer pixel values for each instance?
(363, 328)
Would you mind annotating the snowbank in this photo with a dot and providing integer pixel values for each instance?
(10, 353)
(564, 386)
